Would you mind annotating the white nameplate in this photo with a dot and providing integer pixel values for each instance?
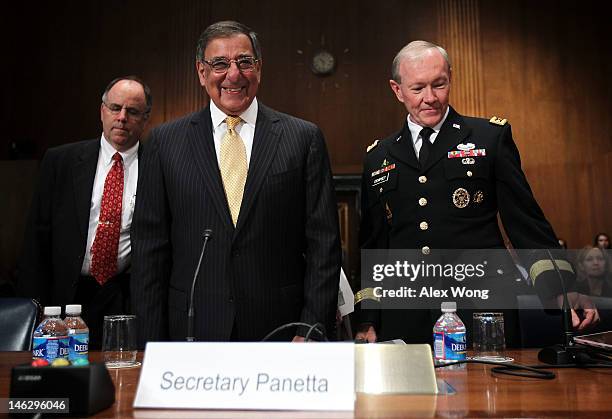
(267, 376)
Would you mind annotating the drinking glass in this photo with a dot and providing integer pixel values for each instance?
(488, 337)
(119, 341)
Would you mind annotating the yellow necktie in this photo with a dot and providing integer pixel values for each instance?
(233, 166)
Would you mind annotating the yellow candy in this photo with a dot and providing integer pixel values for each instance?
(60, 362)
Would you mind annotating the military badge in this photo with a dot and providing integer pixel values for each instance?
(468, 160)
(461, 198)
(498, 121)
(456, 126)
(465, 147)
(478, 197)
(373, 145)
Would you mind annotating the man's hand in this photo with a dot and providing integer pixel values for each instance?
(299, 339)
(590, 315)
(366, 332)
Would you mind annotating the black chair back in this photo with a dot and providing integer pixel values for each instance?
(18, 318)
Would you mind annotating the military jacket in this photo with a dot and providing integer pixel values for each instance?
(473, 173)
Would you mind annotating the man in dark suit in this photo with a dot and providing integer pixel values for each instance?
(258, 179)
(439, 183)
(77, 245)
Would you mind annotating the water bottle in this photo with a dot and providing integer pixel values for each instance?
(50, 337)
(78, 335)
(449, 336)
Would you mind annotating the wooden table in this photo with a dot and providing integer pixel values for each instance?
(574, 393)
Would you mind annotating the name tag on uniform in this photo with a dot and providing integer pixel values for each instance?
(381, 179)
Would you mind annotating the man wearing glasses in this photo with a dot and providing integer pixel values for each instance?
(261, 182)
(77, 247)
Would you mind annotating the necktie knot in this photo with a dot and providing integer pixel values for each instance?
(426, 133)
(425, 145)
(232, 121)
(117, 157)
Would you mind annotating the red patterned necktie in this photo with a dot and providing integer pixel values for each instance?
(105, 247)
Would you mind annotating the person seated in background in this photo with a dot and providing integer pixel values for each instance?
(594, 272)
(602, 240)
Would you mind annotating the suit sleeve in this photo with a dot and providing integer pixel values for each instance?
(152, 257)
(323, 255)
(529, 231)
(35, 274)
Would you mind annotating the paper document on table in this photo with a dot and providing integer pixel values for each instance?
(346, 299)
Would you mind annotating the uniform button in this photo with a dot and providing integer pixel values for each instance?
(469, 173)
(426, 250)
(423, 225)
(422, 202)
(422, 179)
(380, 190)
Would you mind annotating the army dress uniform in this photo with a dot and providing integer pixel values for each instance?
(473, 172)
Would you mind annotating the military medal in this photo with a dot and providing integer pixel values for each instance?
(461, 198)
(481, 152)
(384, 169)
(478, 197)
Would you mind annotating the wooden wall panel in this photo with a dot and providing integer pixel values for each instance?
(543, 65)
(459, 33)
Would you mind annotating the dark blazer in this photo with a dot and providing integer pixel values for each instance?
(280, 264)
(56, 231)
(393, 209)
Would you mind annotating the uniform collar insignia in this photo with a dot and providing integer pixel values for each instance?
(457, 126)
(384, 163)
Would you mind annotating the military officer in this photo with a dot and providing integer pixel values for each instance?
(439, 183)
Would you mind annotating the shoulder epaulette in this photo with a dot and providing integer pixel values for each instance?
(498, 121)
(373, 145)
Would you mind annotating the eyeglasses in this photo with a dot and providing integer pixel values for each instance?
(115, 109)
(222, 65)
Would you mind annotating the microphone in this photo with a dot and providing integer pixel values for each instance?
(190, 314)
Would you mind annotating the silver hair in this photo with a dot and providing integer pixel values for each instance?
(414, 50)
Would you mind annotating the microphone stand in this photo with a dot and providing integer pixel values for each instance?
(191, 313)
(561, 354)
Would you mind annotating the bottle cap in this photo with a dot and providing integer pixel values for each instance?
(73, 309)
(53, 311)
(448, 307)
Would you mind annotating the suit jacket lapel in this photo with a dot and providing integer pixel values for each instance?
(265, 142)
(402, 148)
(453, 131)
(83, 175)
(200, 136)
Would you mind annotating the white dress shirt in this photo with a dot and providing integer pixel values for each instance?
(415, 131)
(245, 129)
(130, 180)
